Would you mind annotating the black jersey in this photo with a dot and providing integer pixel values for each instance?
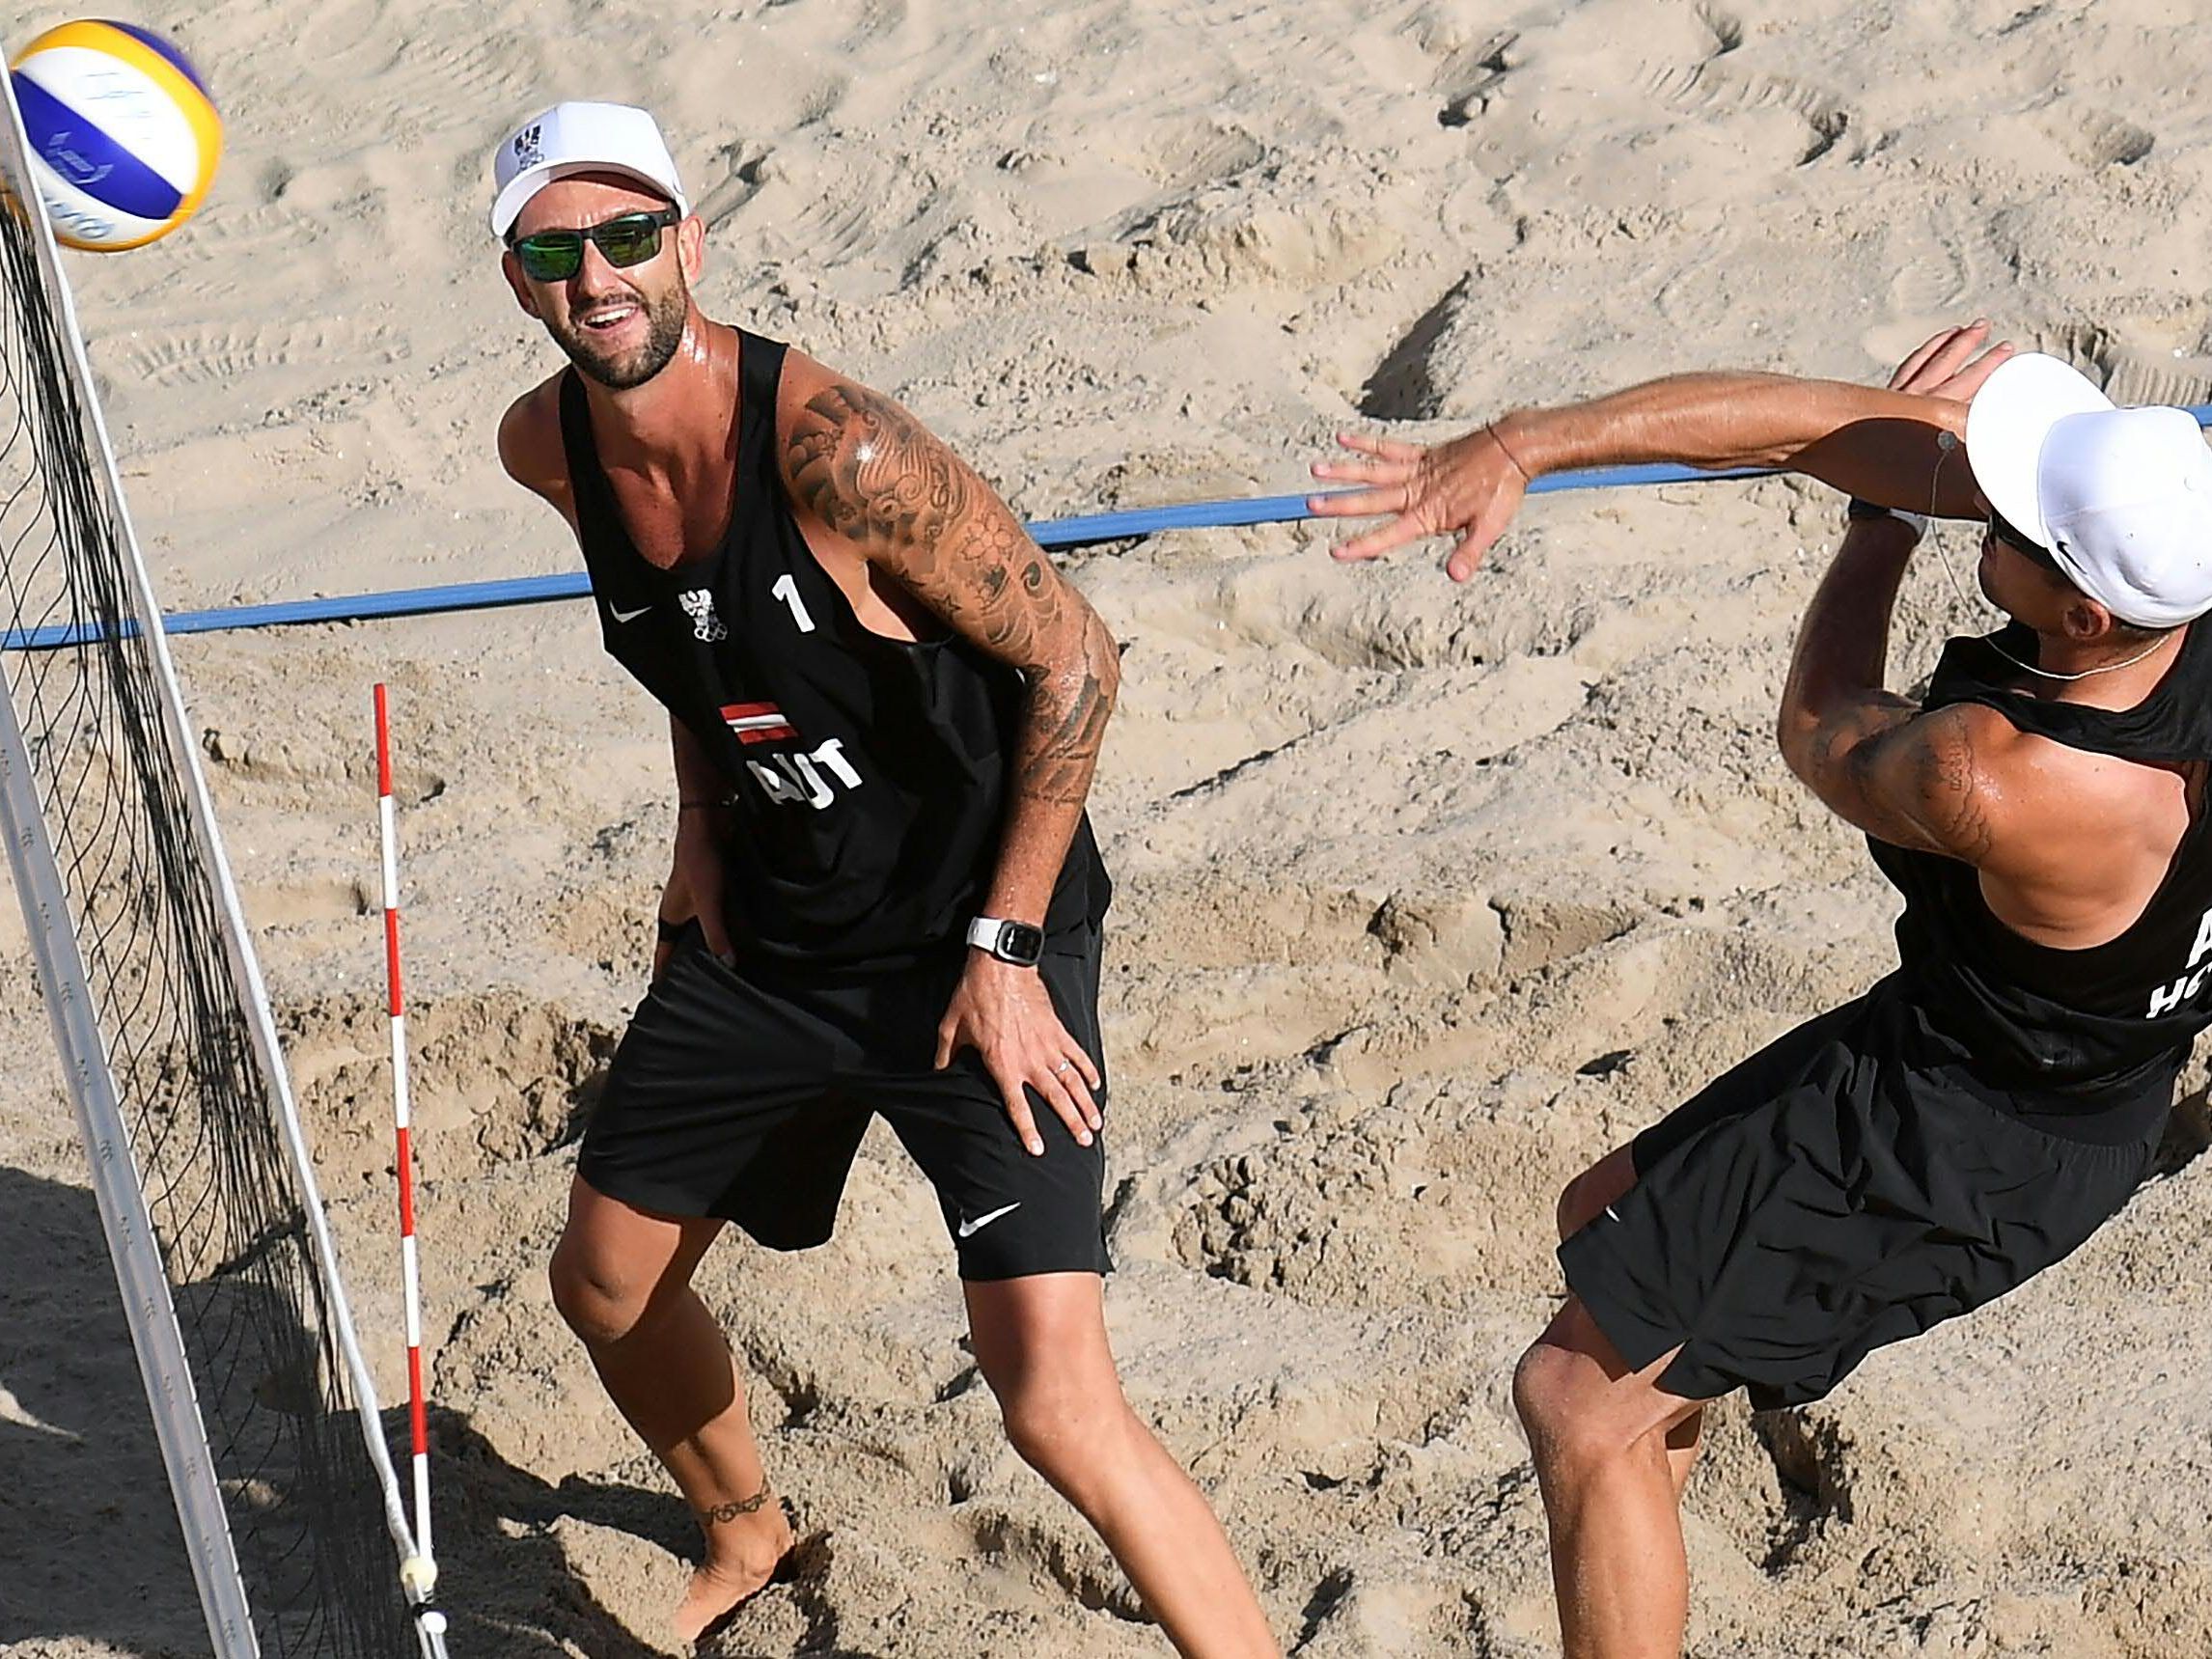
(2080, 1030)
(869, 775)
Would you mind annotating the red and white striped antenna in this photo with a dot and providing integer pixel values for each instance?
(420, 1570)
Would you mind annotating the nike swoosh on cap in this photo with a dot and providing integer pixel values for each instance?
(622, 616)
(969, 1228)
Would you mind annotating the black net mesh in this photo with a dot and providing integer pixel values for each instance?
(304, 1498)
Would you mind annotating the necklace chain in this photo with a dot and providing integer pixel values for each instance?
(1946, 443)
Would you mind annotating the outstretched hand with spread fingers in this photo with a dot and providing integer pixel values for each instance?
(1469, 487)
(1945, 364)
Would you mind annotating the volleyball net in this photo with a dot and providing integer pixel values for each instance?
(262, 1409)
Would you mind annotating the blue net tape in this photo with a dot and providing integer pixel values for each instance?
(1084, 529)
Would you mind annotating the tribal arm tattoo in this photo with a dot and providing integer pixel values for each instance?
(871, 473)
(1904, 777)
(1877, 759)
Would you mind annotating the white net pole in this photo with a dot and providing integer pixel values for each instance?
(122, 1199)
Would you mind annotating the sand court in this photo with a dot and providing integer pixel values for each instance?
(1426, 893)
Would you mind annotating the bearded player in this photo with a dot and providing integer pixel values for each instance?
(885, 706)
(1915, 1154)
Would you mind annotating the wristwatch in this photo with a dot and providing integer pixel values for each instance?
(1916, 522)
(1015, 942)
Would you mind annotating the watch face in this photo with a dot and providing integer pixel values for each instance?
(1020, 943)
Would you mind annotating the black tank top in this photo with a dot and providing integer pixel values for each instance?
(868, 774)
(2077, 1031)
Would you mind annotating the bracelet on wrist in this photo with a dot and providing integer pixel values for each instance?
(1505, 450)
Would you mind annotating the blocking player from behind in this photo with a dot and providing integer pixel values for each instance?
(1903, 1159)
(886, 706)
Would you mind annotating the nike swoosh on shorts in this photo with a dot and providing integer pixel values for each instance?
(969, 1228)
(622, 615)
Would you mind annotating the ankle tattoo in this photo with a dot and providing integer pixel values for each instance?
(738, 1507)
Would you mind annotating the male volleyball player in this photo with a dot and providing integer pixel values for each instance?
(1905, 1159)
(885, 710)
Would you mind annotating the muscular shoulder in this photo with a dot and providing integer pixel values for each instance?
(2065, 803)
(530, 446)
(865, 471)
(803, 380)
(1946, 781)
(821, 413)
(866, 468)
(2011, 802)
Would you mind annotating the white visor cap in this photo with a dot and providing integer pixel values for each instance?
(572, 138)
(2122, 498)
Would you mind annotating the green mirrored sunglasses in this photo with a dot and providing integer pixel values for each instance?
(556, 256)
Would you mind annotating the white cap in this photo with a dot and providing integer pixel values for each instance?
(2122, 498)
(571, 138)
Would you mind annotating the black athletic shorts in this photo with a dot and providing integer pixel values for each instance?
(744, 1095)
(1848, 1186)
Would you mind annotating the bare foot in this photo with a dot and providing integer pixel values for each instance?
(742, 1558)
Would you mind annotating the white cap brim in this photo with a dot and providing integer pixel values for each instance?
(507, 206)
(2006, 427)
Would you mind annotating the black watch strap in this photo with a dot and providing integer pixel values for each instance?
(1859, 512)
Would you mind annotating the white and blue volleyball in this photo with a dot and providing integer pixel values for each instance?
(124, 136)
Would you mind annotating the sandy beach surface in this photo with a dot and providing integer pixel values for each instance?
(1427, 894)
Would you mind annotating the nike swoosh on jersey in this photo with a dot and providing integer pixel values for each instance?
(622, 616)
(969, 1228)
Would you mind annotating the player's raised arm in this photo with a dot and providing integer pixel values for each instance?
(1912, 778)
(1873, 442)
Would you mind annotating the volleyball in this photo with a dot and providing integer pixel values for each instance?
(123, 138)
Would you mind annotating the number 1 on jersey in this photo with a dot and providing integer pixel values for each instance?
(787, 589)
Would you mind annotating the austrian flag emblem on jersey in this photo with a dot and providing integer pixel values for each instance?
(757, 722)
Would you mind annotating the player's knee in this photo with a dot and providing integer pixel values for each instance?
(1058, 1431)
(1043, 1444)
(1534, 1396)
(1545, 1398)
(602, 1305)
(1570, 1432)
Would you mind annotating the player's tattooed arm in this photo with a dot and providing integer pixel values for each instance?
(873, 474)
(1914, 778)
(1910, 779)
